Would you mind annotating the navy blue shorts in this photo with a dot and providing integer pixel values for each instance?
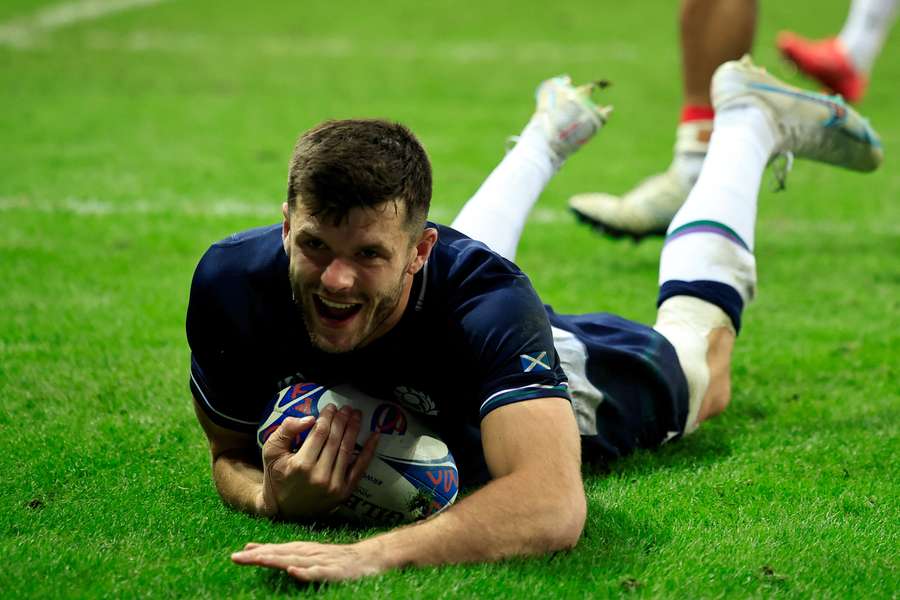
(628, 389)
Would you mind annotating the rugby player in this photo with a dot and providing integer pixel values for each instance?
(356, 286)
(711, 33)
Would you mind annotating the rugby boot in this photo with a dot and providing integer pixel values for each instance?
(826, 61)
(812, 126)
(567, 115)
(644, 211)
(647, 209)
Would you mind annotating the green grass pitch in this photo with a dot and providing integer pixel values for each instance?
(132, 140)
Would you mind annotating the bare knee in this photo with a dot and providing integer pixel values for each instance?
(718, 358)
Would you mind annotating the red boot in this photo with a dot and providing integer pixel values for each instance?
(825, 61)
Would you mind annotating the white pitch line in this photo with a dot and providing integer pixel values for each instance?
(223, 207)
(19, 32)
(337, 47)
(236, 207)
(100, 208)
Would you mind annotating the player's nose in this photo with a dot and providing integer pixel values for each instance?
(338, 276)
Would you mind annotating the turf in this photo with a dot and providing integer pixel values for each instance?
(133, 141)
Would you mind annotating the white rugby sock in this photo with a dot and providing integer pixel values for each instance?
(865, 30)
(711, 236)
(496, 214)
(691, 145)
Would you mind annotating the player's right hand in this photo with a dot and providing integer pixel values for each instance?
(323, 473)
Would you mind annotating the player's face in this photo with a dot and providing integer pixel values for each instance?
(351, 281)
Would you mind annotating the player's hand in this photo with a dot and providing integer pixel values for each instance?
(322, 473)
(309, 561)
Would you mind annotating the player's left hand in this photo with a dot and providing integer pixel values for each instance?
(310, 561)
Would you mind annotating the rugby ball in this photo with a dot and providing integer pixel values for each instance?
(412, 475)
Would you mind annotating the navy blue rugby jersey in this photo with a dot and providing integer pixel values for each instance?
(475, 336)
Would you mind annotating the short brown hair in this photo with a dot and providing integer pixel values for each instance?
(341, 165)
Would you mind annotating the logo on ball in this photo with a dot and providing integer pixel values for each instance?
(445, 478)
(389, 419)
(301, 391)
(415, 400)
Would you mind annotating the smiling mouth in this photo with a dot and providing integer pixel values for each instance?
(335, 313)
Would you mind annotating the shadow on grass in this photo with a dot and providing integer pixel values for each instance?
(279, 582)
(705, 447)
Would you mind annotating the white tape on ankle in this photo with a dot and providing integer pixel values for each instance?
(686, 322)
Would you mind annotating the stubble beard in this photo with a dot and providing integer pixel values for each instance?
(384, 307)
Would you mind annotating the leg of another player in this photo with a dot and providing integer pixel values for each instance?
(843, 63)
(712, 32)
(866, 30)
(565, 119)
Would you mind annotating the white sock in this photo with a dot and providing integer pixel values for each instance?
(711, 236)
(496, 214)
(691, 145)
(865, 30)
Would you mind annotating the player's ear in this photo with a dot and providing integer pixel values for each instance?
(286, 227)
(424, 245)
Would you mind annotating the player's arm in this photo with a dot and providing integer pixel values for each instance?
(533, 505)
(282, 483)
(236, 465)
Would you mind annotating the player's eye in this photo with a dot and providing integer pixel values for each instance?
(369, 253)
(313, 244)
